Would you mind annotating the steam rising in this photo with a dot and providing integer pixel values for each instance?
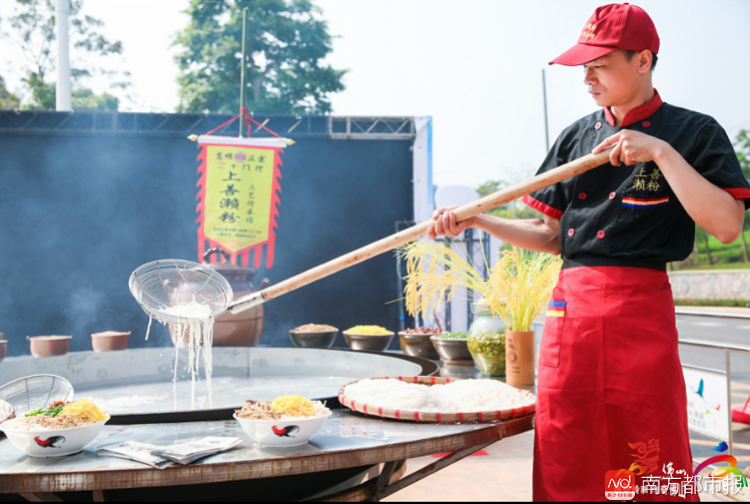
(79, 213)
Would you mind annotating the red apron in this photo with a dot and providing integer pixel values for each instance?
(611, 394)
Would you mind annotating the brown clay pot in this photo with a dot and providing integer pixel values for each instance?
(109, 341)
(49, 346)
(3, 347)
(242, 329)
(519, 358)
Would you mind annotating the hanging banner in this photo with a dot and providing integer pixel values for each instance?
(238, 196)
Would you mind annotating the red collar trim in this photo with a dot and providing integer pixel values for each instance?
(638, 113)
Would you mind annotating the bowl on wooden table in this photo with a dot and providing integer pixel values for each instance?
(419, 344)
(109, 341)
(368, 342)
(49, 346)
(453, 351)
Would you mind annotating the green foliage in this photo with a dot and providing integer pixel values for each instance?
(512, 210)
(43, 97)
(42, 93)
(713, 302)
(742, 148)
(85, 99)
(285, 73)
(490, 187)
(33, 31)
(723, 256)
(8, 101)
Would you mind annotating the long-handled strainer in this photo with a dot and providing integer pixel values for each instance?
(36, 391)
(159, 285)
(149, 288)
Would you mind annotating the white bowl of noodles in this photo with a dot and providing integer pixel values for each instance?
(279, 430)
(42, 437)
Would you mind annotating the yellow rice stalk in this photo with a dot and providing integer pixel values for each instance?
(433, 271)
(520, 286)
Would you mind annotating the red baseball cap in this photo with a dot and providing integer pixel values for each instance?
(612, 27)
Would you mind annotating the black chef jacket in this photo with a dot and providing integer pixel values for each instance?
(628, 215)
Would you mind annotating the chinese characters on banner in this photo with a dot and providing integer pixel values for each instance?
(238, 193)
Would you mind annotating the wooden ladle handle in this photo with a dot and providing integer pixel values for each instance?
(417, 231)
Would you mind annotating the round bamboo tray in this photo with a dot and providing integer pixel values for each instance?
(432, 417)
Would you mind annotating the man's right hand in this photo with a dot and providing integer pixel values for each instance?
(445, 223)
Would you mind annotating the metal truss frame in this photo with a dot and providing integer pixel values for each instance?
(37, 122)
(371, 128)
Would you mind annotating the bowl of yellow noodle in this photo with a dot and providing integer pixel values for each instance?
(286, 421)
(57, 430)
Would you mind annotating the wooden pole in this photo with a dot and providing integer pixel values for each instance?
(242, 70)
(394, 241)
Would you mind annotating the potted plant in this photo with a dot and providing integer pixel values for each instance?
(524, 280)
(518, 289)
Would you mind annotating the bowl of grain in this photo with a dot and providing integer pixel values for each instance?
(109, 341)
(453, 348)
(314, 336)
(417, 343)
(368, 338)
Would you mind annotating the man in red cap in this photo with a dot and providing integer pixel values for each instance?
(611, 395)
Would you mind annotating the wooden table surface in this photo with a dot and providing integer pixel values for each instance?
(348, 440)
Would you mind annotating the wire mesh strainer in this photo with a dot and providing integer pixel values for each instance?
(160, 284)
(36, 391)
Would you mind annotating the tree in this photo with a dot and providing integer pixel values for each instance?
(742, 148)
(512, 210)
(702, 236)
(42, 93)
(8, 101)
(286, 45)
(85, 99)
(33, 24)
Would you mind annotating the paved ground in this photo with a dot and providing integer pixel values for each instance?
(505, 473)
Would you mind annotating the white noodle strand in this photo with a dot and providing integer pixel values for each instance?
(467, 396)
(195, 321)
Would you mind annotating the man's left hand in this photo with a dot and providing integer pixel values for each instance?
(631, 147)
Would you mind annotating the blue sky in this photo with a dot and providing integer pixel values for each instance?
(474, 65)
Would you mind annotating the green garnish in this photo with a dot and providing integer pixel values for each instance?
(51, 412)
(454, 335)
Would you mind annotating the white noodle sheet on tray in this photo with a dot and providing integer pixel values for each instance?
(437, 399)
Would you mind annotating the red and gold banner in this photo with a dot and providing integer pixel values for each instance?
(238, 196)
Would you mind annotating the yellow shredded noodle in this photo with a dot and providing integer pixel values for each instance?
(85, 409)
(369, 329)
(294, 406)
